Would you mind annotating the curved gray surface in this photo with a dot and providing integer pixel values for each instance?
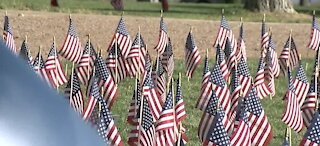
(32, 114)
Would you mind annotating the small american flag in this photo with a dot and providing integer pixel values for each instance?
(116, 64)
(258, 121)
(39, 68)
(312, 136)
(165, 124)
(289, 54)
(315, 35)
(222, 63)
(136, 57)
(86, 63)
(264, 36)
(8, 35)
(106, 83)
(206, 86)
(167, 60)
(292, 115)
(224, 32)
(93, 94)
(260, 83)
(163, 37)
(241, 135)
(179, 103)
(76, 98)
(235, 89)
(230, 54)
(134, 105)
(151, 94)
(241, 50)
(71, 49)
(54, 68)
(269, 76)
(159, 78)
(106, 125)
(244, 76)
(192, 56)
(25, 52)
(209, 115)
(274, 59)
(147, 129)
(122, 38)
(301, 85)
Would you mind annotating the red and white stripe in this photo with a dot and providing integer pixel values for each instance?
(245, 83)
(112, 135)
(89, 108)
(147, 138)
(301, 90)
(292, 115)
(162, 42)
(308, 108)
(234, 102)
(180, 111)
(223, 95)
(154, 101)
(260, 129)
(224, 70)
(56, 74)
(84, 68)
(76, 101)
(71, 49)
(110, 91)
(241, 135)
(275, 63)
(205, 95)
(262, 87)
(314, 38)
(192, 61)
(9, 41)
(119, 71)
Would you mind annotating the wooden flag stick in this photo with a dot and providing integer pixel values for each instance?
(69, 15)
(180, 134)
(66, 69)
(55, 63)
(264, 17)
(161, 13)
(222, 12)
(6, 13)
(290, 137)
(26, 38)
(136, 94)
(71, 90)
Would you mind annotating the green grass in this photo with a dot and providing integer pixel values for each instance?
(273, 108)
(177, 10)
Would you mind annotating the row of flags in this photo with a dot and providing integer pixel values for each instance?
(229, 97)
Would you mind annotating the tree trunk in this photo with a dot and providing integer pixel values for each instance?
(269, 6)
(304, 2)
(257, 5)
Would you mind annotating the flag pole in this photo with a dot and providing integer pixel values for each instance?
(139, 47)
(71, 83)
(136, 94)
(55, 63)
(66, 69)
(89, 45)
(39, 59)
(180, 134)
(116, 59)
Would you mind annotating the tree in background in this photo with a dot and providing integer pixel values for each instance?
(270, 6)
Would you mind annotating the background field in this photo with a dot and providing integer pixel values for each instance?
(40, 22)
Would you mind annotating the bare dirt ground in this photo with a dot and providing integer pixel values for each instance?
(40, 27)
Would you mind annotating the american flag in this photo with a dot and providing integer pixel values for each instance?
(147, 128)
(260, 129)
(235, 89)
(264, 36)
(244, 76)
(269, 77)
(122, 38)
(8, 35)
(301, 85)
(167, 59)
(76, 98)
(308, 107)
(54, 68)
(179, 103)
(134, 104)
(206, 86)
(315, 35)
(116, 64)
(224, 32)
(71, 48)
(192, 56)
(208, 117)
(289, 54)
(106, 83)
(25, 52)
(93, 94)
(136, 57)
(86, 63)
(147, 67)
(260, 83)
(163, 37)
(159, 78)
(39, 67)
(312, 136)
(241, 135)
(274, 58)
(292, 115)
(106, 126)
(241, 50)
(230, 54)
(165, 124)
(222, 63)
(151, 94)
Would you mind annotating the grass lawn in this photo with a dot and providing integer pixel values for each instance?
(273, 108)
(177, 10)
